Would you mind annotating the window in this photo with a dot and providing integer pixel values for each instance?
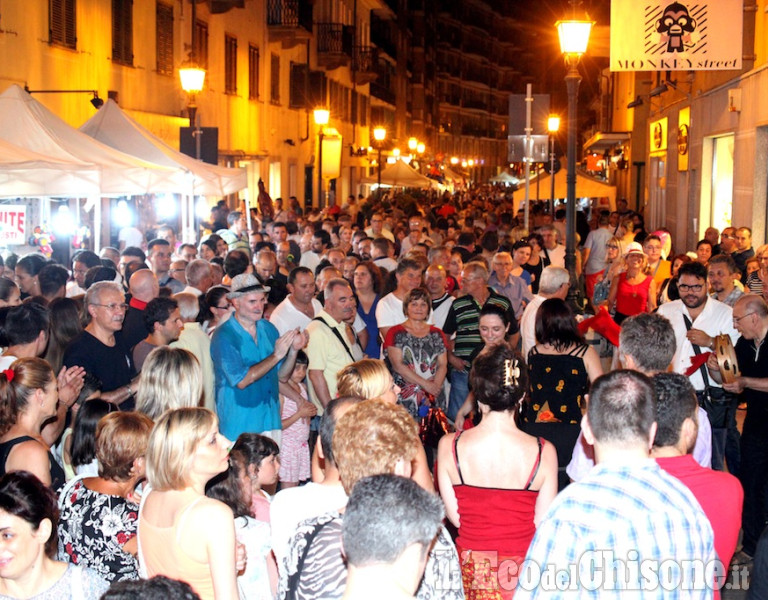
(253, 72)
(164, 38)
(230, 64)
(122, 32)
(61, 23)
(201, 43)
(274, 93)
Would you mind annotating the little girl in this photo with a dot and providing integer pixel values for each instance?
(261, 456)
(294, 455)
(233, 488)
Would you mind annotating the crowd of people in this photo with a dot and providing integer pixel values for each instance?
(385, 399)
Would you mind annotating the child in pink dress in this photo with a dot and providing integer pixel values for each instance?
(294, 454)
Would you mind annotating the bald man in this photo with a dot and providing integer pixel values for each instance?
(143, 287)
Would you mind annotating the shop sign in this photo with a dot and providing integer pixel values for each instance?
(683, 138)
(658, 136)
(13, 220)
(659, 35)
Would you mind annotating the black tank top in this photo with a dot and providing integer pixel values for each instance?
(57, 472)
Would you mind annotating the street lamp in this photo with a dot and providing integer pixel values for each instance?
(192, 76)
(553, 125)
(574, 37)
(379, 135)
(322, 116)
(412, 144)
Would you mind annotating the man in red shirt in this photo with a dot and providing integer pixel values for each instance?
(720, 494)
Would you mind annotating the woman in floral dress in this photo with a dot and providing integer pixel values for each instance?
(417, 354)
(99, 515)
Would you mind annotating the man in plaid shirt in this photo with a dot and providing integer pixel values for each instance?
(628, 528)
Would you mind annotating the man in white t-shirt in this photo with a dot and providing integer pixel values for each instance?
(300, 306)
(389, 311)
(552, 251)
(554, 283)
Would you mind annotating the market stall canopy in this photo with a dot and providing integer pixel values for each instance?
(111, 126)
(26, 173)
(401, 175)
(505, 177)
(449, 173)
(586, 187)
(26, 123)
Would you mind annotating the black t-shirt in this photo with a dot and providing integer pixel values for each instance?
(111, 364)
(754, 364)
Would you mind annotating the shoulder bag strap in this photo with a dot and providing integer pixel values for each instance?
(293, 580)
(697, 350)
(338, 336)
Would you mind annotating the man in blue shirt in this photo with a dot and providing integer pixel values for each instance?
(250, 358)
(631, 524)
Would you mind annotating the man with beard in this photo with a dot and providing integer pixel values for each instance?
(249, 359)
(697, 319)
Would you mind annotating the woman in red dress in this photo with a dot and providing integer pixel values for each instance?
(632, 292)
(495, 502)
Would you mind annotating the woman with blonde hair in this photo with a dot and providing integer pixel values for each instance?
(170, 378)
(369, 379)
(182, 533)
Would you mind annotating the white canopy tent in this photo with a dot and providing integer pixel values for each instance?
(111, 126)
(586, 187)
(401, 175)
(26, 173)
(26, 123)
(505, 178)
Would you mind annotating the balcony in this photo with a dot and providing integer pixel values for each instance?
(383, 93)
(364, 60)
(289, 22)
(335, 44)
(382, 35)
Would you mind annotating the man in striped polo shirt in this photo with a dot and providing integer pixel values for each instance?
(464, 320)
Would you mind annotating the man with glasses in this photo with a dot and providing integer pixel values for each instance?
(750, 316)
(100, 349)
(377, 228)
(658, 268)
(728, 240)
(697, 319)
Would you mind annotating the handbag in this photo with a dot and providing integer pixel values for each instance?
(433, 426)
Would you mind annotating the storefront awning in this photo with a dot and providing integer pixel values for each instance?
(604, 140)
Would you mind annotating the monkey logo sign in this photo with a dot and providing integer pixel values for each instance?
(675, 26)
(664, 35)
(13, 220)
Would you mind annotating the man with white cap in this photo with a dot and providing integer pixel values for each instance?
(249, 360)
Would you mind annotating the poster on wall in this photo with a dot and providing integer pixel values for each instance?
(659, 35)
(683, 137)
(658, 136)
(13, 221)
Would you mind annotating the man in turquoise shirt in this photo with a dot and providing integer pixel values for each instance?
(250, 359)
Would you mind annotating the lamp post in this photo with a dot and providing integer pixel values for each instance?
(379, 135)
(192, 77)
(322, 116)
(553, 125)
(574, 37)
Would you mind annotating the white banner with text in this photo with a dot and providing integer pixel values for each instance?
(658, 35)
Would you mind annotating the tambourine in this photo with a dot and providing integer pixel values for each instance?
(726, 358)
